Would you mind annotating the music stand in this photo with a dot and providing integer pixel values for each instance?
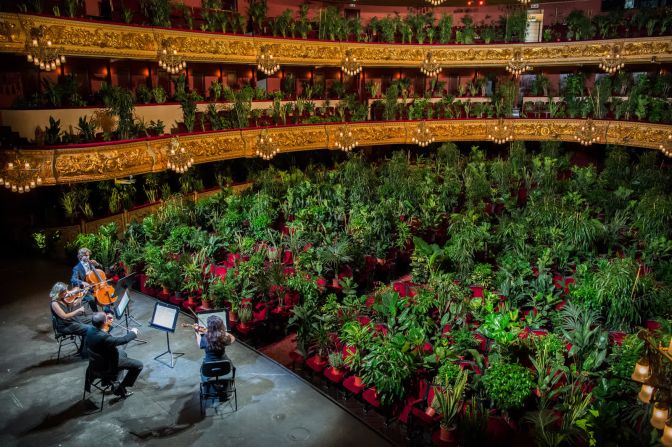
(124, 283)
(164, 318)
(122, 309)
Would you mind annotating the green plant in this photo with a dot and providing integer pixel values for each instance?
(448, 399)
(387, 366)
(52, 134)
(143, 93)
(188, 103)
(508, 384)
(157, 12)
(87, 129)
(159, 95)
(119, 102)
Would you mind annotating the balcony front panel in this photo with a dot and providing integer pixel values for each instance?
(95, 39)
(102, 161)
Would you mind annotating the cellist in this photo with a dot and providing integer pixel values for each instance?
(79, 273)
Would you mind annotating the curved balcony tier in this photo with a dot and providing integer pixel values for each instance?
(102, 161)
(97, 39)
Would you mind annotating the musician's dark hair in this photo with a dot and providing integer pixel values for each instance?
(98, 319)
(216, 336)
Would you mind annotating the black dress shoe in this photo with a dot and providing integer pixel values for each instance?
(122, 392)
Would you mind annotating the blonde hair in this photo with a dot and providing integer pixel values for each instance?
(57, 289)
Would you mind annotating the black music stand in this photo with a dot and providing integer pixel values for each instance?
(164, 318)
(122, 310)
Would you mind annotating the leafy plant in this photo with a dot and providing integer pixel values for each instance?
(508, 384)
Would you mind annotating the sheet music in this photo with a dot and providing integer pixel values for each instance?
(164, 317)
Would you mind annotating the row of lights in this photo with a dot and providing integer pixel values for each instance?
(20, 176)
(649, 371)
(587, 134)
(40, 51)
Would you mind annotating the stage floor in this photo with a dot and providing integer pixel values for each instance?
(41, 400)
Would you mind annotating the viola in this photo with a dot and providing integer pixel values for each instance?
(197, 327)
(103, 292)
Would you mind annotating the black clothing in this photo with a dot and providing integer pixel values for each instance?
(107, 359)
(71, 326)
(211, 355)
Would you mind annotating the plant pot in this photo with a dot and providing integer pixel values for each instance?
(233, 316)
(447, 434)
(206, 304)
(358, 381)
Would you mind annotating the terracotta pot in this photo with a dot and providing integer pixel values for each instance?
(447, 434)
(430, 412)
(206, 304)
(165, 290)
(233, 316)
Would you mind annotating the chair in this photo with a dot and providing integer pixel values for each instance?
(64, 339)
(103, 381)
(218, 381)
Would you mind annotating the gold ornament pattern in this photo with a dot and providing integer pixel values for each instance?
(86, 38)
(111, 160)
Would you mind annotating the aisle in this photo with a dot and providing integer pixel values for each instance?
(41, 399)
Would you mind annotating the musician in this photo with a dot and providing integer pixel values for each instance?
(214, 341)
(106, 358)
(79, 272)
(68, 321)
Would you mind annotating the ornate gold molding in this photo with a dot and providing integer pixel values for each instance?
(88, 38)
(110, 160)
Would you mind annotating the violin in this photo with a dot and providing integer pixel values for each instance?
(103, 292)
(197, 327)
(75, 294)
(109, 321)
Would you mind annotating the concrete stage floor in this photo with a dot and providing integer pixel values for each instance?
(41, 400)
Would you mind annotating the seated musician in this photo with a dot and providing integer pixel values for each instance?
(79, 272)
(67, 315)
(109, 360)
(214, 341)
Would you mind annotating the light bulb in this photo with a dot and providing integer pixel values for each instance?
(642, 371)
(666, 439)
(645, 393)
(659, 415)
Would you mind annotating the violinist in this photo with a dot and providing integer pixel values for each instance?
(214, 339)
(107, 358)
(79, 272)
(66, 313)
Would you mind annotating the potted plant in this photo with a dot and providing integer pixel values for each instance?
(448, 401)
(336, 363)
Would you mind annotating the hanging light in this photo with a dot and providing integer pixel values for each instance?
(422, 135)
(41, 52)
(265, 62)
(349, 64)
(587, 134)
(517, 65)
(659, 415)
(266, 147)
(666, 439)
(179, 159)
(501, 133)
(524, 2)
(642, 371)
(645, 393)
(430, 66)
(612, 62)
(169, 59)
(345, 141)
(435, 2)
(666, 149)
(20, 176)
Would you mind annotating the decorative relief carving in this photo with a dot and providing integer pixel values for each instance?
(105, 163)
(119, 160)
(90, 38)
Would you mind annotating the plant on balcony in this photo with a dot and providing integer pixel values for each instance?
(256, 11)
(52, 134)
(540, 85)
(157, 12)
(303, 25)
(579, 25)
(119, 102)
(159, 95)
(87, 129)
(143, 94)
(388, 29)
(445, 27)
(488, 34)
(188, 104)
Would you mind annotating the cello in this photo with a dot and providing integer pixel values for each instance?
(103, 292)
